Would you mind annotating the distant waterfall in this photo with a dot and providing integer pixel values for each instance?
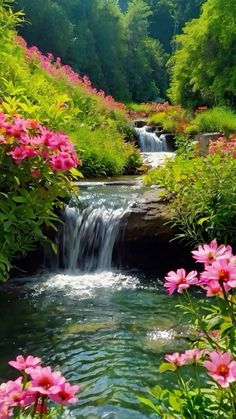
(151, 141)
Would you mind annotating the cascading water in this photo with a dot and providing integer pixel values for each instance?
(91, 232)
(151, 141)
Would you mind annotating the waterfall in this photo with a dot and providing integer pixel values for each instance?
(90, 234)
(151, 141)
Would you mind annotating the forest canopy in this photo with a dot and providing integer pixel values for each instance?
(122, 46)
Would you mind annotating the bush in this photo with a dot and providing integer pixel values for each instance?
(36, 167)
(217, 119)
(203, 196)
(172, 118)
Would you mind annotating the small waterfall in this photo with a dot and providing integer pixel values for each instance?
(90, 234)
(151, 141)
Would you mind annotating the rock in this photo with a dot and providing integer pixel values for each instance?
(170, 141)
(148, 217)
(139, 123)
(147, 241)
(204, 141)
(150, 128)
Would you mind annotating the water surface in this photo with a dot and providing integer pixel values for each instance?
(106, 331)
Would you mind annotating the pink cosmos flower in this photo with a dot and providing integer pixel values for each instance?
(214, 288)
(45, 381)
(66, 394)
(13, 394)
(176, 358)
(222, 271)
(222, 368)
(209, 253)
(23, 364)
(193, 355)
(180, 281)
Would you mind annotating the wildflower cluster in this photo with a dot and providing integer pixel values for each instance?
(219, 273)
(29, 140)
(55, 68)
(226, 146)
(31, 393)
(214, 350)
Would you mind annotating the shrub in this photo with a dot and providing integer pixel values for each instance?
(217, 119)
(203, 195)
(172, 118)
(34, 179)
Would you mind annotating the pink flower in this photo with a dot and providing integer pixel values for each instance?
(20, 153)
(45, 381)
(36, 172)
(13, 394)
(214, 288)
(222, 271)
(221, 368)
(62, 162)
(66, 394)
(17, 154)
(208, 253)
(17, 128)
(23, 364)
(180, 281)
(193, 355)
(2, 139)
(176, 358)
(5, 411)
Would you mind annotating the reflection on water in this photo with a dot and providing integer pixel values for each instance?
(106, 332)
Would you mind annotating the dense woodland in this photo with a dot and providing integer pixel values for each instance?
(122, 46)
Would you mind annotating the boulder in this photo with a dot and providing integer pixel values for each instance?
(140, 123)
(148, 237)
(204, 141)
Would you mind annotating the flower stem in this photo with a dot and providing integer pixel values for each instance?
(231, 312)
(195, 310)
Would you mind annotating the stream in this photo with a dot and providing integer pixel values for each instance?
(105, 327)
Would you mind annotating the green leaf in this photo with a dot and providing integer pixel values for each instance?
(54, 247)
(166, 366)
(76, 172)
(175, 403)
(17, 180)
(202, 220)
(149, 403)
(19, 198)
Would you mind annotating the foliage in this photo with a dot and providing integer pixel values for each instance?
(35, 176)
(63, 101)
(217, 119)
(112, 47)
(203, 66)
(172, 118)
(208, 390)
(38, 392)
(203, 195)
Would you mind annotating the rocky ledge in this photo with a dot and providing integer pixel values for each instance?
(149, 238)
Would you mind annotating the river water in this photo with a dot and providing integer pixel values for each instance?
(105, 329)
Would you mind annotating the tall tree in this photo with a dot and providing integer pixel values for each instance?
(203, 67)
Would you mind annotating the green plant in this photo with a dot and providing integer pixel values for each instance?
(94, 122)
(208, 388)
(202, 195)
(217, 119)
